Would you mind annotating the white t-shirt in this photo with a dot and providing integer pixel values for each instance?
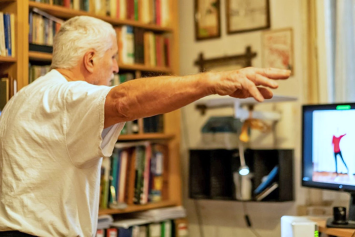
(52, 140)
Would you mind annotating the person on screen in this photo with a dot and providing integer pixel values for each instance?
(337, 151)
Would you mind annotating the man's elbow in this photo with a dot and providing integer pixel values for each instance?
(122, 110)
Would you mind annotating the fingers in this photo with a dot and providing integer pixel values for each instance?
(264, 81)
(273, 73)
(250, 88)
(242, 94)
(265, 92)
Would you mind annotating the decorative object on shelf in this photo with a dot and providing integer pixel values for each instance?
(247, 15)
(220, 132)
(252, 123)
(207, 19)
(226, 63)
(277, 49)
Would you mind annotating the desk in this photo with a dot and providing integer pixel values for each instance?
(333, 231)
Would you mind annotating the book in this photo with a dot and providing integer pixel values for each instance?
(122, 176)
(123, 232)
(2, 35)
(111, 232)
(268, 180)
(267, 191)
(155, 230)
(12, 30)
(4, 92)
(100, 233)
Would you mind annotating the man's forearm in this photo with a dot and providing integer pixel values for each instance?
(146, 97)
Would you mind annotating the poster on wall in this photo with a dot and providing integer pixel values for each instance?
(277, 50)
(207, 19)
(247, 15)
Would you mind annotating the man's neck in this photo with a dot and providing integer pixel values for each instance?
(71, 75)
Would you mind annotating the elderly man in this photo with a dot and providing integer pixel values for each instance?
(55, 131)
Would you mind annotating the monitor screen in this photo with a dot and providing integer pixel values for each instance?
(328, 146)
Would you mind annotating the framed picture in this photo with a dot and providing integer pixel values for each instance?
(247, 15)
(227, 63)
(207, 19)
(277, 49)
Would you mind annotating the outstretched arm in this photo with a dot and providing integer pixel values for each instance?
(147, 97)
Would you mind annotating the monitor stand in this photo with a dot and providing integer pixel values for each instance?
(350, 223)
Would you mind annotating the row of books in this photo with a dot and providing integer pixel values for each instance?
(153, 124)
(169, 228)
(134, 174)
(161, 222)
(163, 229)
(8, 88)
(136, 45)
(36, 71)
(7, 34)
(139, 46)
(146, 11)
(42, 27)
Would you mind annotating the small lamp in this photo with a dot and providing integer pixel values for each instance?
(244, 169)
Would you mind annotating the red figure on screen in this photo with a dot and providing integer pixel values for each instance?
(337, 151)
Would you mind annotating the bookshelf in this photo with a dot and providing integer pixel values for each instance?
(136, 208)
(47, 57)
(18, 68)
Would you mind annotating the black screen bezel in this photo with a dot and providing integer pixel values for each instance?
(311, 184)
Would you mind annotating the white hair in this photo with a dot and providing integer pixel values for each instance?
(76, 36)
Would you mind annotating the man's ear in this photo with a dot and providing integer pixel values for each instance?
(89, 60)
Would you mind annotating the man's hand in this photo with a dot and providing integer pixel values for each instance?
(244, 83)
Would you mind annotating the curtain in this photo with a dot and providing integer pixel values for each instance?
(341, 49)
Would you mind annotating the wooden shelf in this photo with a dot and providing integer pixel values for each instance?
(6, 59)
(139, 67)
(1, 1)
(136, 208)
(146, 136)
(63, 12)
(340, 232)
(39, 56)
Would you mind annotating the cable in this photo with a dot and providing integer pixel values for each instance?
(247, 220)
(199, 218)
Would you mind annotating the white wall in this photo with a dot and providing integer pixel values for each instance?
(225, 218)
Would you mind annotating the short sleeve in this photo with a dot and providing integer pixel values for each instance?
(84, 123)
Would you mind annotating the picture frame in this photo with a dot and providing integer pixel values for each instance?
(247, 15)
(277, 49)
(207, 19)
(233, 62)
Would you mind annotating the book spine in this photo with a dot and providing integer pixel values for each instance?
(2, 36)
(130, 45)
(12, 27)
(66, 3)
(136, 13)
(158, 12)
(123, 9)
(7, 35)
(136, 44)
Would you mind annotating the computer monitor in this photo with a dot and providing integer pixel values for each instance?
(328, 149)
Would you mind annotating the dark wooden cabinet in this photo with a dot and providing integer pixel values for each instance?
(211, 173)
